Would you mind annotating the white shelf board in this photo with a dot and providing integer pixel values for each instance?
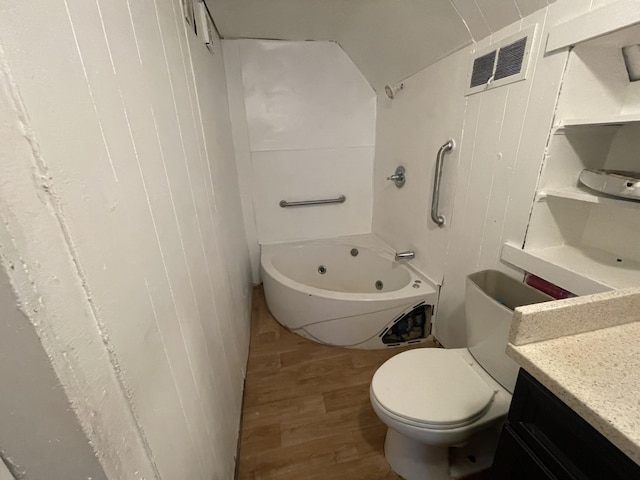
(598, 22)
(601, 120)
(582, 194)
(582, 271)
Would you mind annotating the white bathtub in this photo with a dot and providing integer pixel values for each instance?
(326, 291)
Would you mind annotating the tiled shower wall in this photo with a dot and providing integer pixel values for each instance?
(123, 227)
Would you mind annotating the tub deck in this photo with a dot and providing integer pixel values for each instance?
(306, 408)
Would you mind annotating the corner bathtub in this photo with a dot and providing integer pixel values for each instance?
(347, 292)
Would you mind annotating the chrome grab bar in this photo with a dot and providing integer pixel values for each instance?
(306, 203)
(435, 200)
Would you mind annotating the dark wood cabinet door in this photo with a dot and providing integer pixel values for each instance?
(515, 461)
(557, 440)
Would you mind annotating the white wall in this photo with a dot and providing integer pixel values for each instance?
(503, 136)
(40, 437)
(123, 223)
(5, 474)
(411, 128)
(388, 41)
(305, 120)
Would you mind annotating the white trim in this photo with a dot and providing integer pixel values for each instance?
(579, 269)
(608, 19)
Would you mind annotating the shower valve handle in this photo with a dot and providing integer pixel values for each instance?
(398, 177)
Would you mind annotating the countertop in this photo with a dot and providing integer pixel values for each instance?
(586, 350)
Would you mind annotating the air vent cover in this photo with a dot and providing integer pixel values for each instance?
(510, 59)
(501, 63)
(483, 69)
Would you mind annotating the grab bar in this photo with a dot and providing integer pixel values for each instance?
(306, 203)
(435, 200)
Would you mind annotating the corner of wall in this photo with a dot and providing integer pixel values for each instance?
(240, 133)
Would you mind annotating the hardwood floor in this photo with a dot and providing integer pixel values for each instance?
(306, 411)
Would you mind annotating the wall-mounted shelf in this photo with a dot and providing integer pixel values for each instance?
(582, 271)
(578, 238)
(582, 194)
(596, 23)
(601, 120)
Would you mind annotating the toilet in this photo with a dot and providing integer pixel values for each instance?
(433, 400)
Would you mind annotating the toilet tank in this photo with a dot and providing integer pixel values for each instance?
(490, 298)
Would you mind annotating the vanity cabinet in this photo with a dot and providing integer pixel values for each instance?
(544, 439)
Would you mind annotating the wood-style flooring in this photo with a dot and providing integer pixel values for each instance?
(306, 412)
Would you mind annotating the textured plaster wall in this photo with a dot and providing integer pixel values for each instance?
(40, 437)
(121, 227)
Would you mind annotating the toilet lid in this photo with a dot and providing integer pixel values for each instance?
(432, 386)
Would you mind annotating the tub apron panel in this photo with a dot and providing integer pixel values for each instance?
(341, 318)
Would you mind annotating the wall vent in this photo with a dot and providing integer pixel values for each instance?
(483, 69)
(501, 63)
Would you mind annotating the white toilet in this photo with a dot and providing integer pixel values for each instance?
(433, 399)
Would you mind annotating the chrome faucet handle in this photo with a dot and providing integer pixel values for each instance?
(408, 255)
(398, 177)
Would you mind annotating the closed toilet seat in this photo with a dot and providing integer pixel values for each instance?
(432, 388)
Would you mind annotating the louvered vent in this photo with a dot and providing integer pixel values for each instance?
(483, 69)
(501, 63)
(510, 59)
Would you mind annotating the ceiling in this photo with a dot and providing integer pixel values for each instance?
(387, 39)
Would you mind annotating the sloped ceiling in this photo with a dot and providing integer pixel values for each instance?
(387, 39)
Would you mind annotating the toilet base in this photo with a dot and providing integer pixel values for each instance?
(476, 454)
(414, 460)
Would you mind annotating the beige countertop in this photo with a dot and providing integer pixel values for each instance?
(586, 350)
